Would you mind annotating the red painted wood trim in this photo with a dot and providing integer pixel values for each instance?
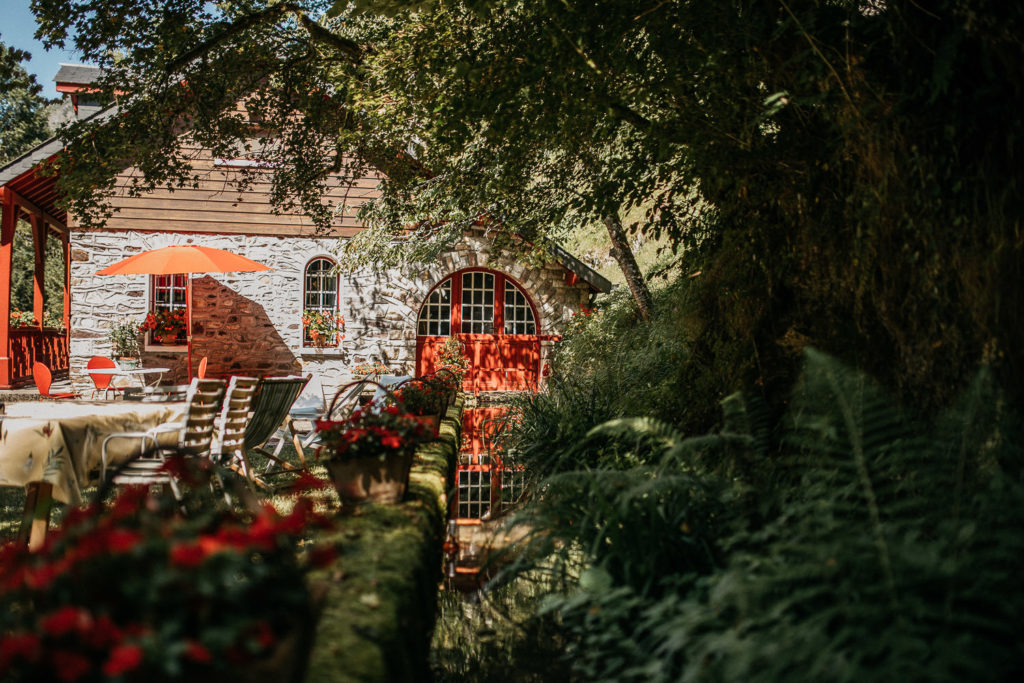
(39, 277)
(456, 302)
(65, 240)
(6, 242)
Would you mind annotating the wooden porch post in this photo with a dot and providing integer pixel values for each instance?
(65, 239)
(6, 243)
(39, 280)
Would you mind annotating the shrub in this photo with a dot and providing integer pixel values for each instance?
(880, 548)
(134, 588)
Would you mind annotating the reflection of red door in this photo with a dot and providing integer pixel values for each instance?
(496, 323)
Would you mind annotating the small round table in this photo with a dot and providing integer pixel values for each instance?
(135, 372)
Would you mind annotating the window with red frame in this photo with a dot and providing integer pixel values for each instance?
(169, 309)
(320, 292)
(482, 297)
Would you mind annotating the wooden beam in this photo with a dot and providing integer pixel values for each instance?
(35, 520)
(66, 248)
(10, 220)
(39, 277)
(33, 210)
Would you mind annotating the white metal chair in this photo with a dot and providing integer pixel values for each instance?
(300, 427)
(192, 436)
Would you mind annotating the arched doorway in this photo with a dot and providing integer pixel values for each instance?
(497, 323)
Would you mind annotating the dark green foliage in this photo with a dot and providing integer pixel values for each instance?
(23, 274)
(873, 546)
(22, 116)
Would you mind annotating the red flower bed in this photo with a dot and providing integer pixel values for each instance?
(134, 588)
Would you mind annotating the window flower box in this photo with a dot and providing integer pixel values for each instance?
(168, 327)
(322, 329)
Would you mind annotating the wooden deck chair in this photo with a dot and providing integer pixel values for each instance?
(43, 378)
(228, 449)
(270, 408)
(193, 437)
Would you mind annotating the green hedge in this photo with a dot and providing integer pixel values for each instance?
(382, 590)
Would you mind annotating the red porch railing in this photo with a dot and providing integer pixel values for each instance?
(29, 344)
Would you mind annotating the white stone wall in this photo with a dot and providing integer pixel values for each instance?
(251, 322)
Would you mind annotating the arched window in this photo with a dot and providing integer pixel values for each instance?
(321, 321)
(477, 302)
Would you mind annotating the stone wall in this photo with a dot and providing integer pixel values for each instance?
(250, 323)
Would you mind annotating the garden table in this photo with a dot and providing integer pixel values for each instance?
(132, 372)
(55, 449)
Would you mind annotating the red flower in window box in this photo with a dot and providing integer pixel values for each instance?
(323, 328)
(166, 327)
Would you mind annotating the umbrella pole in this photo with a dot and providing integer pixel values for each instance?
(188, 322)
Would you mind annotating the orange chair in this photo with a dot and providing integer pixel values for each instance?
(201, 374)
(102, 381)
(41, 374)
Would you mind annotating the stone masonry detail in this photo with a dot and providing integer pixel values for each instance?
(250, 323)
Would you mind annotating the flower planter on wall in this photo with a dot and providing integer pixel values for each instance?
(371, 479)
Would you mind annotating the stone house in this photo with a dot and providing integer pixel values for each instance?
(507, 314)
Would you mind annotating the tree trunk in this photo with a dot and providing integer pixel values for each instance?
(623, 254)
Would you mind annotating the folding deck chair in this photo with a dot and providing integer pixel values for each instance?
(228, 449)
(194, 436)
(270, 408)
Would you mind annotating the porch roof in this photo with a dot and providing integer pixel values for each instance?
(24, 174)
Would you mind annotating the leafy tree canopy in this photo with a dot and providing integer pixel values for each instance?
(22, 117)
(841, 173)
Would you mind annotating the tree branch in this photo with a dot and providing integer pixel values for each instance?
(272, 13)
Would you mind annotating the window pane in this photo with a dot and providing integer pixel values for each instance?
(518, 314)
(437, 312)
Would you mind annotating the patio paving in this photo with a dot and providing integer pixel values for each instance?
(31, 393)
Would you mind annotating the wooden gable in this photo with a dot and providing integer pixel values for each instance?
(217, 206)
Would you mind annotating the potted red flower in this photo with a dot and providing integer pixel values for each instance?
(132, 590)
(423, 398)
(446, 381)
(369, 454)
(451, 357)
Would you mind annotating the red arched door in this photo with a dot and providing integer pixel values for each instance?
(496, 322)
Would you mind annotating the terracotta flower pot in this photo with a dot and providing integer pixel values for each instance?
(371, 480)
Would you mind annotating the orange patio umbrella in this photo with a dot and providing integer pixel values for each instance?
(183, 259)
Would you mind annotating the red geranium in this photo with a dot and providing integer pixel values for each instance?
(197, 652)
(65, 620)
(123, 658)
(84, 606)
(369, 432)
(187, 555)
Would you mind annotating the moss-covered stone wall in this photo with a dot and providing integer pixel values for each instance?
(382, 590)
